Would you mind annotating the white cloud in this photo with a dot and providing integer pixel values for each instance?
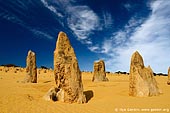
(120, 37)
(52, 8)
(82, 21)
(15, 19)
(107, 46)
(80, 18)
(87, 41)
(20, 17)
(128, 6)
(8, 15)
(41, 33)
(151, 39)
(107, 20)
(95, 48)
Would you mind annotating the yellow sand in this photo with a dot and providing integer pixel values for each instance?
(104, 97)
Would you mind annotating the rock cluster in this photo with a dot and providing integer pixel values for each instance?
(31, 68)
(69, 87)
(168, 82)
(99, 73)
(141, 80)
(12, 69)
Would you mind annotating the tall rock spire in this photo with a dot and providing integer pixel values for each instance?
(99, 73)
(67, 73)
(141, 80)
(168, 82)
(31, 68)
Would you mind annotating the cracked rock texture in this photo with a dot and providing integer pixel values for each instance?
(67, 73)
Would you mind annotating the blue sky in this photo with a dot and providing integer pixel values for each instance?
(98, 29)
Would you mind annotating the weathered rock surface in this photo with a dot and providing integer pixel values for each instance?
(31, 68)
(99, 73)
(168, 82)
(141, 80)
(67, 73)
(51, 94)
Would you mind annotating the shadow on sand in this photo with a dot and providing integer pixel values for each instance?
(47, 81)
(89, 94)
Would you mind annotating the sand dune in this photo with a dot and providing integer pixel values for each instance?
(103, 97)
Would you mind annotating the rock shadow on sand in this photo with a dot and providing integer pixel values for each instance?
(89, 94)
(47, 81)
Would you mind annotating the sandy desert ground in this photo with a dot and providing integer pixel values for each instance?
(103, 97)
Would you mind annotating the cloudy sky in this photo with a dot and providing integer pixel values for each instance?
(98, 29)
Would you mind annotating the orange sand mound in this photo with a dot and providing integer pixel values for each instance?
(103, 97)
